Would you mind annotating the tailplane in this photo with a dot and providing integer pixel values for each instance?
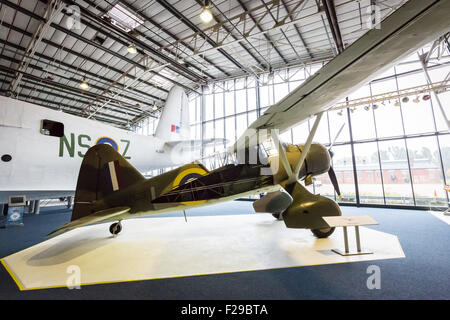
(173, 124)
(102, 172)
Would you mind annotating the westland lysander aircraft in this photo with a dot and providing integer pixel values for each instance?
(110, 189)
(41, 149)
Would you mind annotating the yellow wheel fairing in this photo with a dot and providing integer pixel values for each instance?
(184, 175)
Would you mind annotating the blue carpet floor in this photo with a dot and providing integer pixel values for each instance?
(423, 274)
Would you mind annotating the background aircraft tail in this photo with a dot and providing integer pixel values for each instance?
(174, 121)
(102, 172)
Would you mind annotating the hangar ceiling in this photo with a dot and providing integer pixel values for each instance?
(48, 48)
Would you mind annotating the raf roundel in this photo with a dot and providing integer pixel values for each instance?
(187, 176)
(108, 140)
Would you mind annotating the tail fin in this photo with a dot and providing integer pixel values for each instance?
(174, 121)
(102, 172)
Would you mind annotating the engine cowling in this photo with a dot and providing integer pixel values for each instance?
(316, 163)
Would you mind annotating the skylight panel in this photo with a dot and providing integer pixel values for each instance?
(124, 18)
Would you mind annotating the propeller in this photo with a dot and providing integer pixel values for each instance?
(331, 172)
(334, 181)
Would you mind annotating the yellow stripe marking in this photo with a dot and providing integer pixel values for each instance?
(190, 275)
(13, 276)
(183, 174)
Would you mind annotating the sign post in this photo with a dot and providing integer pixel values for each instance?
(16, 208)
(350, 221)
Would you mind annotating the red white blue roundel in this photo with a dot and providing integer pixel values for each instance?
(108, 140)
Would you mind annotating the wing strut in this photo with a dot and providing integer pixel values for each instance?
(281, 152)
(294, 176)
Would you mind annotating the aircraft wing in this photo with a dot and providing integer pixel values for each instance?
(408, 29)
(92, 218)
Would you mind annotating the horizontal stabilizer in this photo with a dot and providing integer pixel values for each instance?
(195, 143)
(92, 218)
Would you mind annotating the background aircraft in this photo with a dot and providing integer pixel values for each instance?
(41, 149)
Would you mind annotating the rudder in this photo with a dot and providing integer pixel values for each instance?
(102, 172)
(173, 123)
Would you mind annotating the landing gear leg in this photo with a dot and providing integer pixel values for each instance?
(115, 228)
(278, 216)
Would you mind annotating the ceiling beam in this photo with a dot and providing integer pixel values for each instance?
(54, 7)
(79, 55)
(88, 41)
(119, 35)
(47, 82)
(166, 5)
(38, 68)
(173, 36)
(120, 121)
(262, 65)
(81, 72)
(297, 29)
(330, 11)
(266, 36)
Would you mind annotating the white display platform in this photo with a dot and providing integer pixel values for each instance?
(441, 216)
(169, 247)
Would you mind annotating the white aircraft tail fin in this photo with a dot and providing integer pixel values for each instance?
(174, 121)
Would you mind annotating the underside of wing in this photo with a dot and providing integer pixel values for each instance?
(90, 219)
(406, 30)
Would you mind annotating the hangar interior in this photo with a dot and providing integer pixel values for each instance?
(115, 62)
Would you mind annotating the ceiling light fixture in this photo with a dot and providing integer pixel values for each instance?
(206, 14)
(132, 48)
(84, 85)
(405, 100)
(426, 97)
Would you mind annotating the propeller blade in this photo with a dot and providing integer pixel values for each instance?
(334, 181)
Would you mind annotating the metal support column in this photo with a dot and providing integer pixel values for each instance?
(69, 202)
(37, 207)
(346, 240)
(31, 206)
(424, 63)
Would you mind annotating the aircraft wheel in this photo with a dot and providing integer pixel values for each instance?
(115, 228)
(323, 233)
(278, 216)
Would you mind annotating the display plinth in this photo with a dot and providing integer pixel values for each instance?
(156, 248)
